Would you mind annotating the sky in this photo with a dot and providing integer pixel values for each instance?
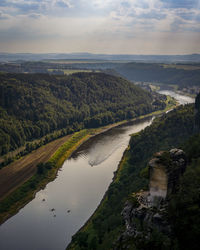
(100, 26)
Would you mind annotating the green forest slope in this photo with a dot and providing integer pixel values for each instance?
(34, 105)
(182, 75)
(105, 226)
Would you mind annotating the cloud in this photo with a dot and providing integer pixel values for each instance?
(64, 3)
(35, 15)
(189, 15)
(19, 7)
(153, 14)
(189, 4)
(117, 23)
(3, 16)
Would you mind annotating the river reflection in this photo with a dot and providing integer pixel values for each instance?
(58, 211)
(102, 146)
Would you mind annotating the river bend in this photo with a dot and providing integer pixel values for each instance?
(58, 211)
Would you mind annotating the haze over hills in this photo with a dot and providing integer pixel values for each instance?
(9, 57)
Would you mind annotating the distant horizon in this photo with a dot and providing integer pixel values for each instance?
(93, 53)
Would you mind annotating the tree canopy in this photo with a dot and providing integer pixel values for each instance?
(34, 105)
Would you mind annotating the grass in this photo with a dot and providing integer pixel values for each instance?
(26, 192)
(67, 148)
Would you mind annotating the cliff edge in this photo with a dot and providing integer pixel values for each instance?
(145, 213)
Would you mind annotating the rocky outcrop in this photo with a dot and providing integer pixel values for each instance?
(146, 211)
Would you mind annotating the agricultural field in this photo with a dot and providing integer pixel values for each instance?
(71, 71)
(182, 66)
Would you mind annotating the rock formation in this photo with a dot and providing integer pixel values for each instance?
(146, 211)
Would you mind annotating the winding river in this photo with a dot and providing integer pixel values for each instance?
(57, 212)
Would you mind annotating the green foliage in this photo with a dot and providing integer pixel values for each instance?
(93, 243)
(167, 131)
(157, 241)
(44, 173)
(144, 173)
(197, 115)
(40, 168)
(21, 193)
(34, 106)
(82, 240)
(156, 72)
(133, 200)
(66, 146)
(184, 208)
(165, 159)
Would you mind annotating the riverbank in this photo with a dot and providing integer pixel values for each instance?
(104, 226)
(25, 193)
(88, 227)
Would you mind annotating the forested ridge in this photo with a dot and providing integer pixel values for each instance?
(155, 72)
(103, 230)
(34, 105)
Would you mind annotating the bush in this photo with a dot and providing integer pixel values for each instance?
(40, 168)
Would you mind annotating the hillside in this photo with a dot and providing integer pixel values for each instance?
(106, 225)
(154, 221)
(182, 75)
(34, 105)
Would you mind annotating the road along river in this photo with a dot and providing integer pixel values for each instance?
(58, 211)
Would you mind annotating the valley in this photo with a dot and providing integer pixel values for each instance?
(93, 161)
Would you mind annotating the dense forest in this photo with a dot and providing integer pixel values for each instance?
(184, 207)
(182, 75)
(34, 105)
(170, 130)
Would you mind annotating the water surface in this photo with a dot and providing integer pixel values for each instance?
(182, 99)
(58, 211)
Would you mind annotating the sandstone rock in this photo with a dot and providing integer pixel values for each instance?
(165, 170)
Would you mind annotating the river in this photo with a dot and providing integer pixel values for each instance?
(182, 99)
(57, 212)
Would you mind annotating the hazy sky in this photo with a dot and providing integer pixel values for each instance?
(100, 26)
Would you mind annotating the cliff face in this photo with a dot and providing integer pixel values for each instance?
(146, 212)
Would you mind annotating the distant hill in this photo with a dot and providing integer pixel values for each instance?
(34, 105)
(7, 57)
(184, 75)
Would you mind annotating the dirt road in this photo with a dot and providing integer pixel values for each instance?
(16, 173)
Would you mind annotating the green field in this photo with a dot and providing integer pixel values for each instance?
(72, 71)
(182, 66)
